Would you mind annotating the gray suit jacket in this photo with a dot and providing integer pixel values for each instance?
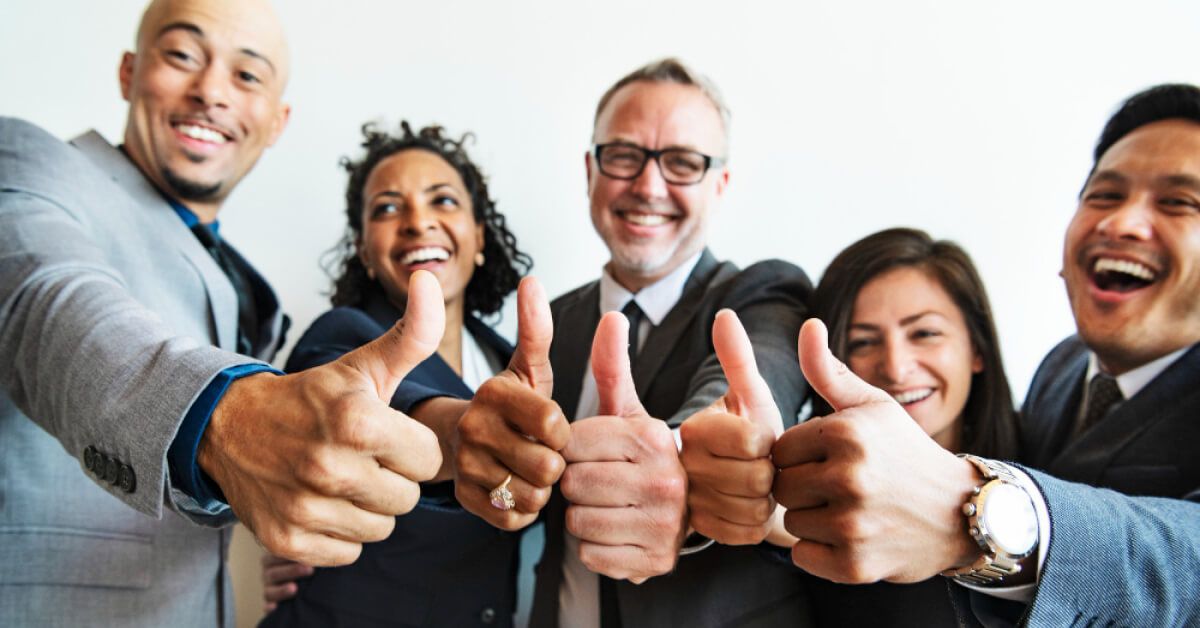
(1127, 554)
(677, 373)
(111, 315)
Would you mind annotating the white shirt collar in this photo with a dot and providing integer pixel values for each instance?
(1132, 382)
(656, 300)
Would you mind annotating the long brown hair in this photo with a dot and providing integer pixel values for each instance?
(989, 423)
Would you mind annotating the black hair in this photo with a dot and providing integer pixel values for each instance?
(1161, 102)
(504, 264)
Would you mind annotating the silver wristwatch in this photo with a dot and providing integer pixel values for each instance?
(1002, 520)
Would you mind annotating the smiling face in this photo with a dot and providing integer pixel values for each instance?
(417, 215)
(204, 91)
(651, 226)
(1131, 260)
(909, 338)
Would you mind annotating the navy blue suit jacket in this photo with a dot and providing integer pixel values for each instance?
(1128, 552)
(442, 566)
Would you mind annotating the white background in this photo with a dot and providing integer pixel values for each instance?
(972, 120)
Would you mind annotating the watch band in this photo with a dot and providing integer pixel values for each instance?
(994, 565)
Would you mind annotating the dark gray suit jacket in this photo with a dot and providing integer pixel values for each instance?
(676, 374)
(1127, 554)
(112, 319)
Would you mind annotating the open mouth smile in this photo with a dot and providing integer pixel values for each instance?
(1123, 276)
(424, 255)
(909, 397)
(644, 219)
(201, 132)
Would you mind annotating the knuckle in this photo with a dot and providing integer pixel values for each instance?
(468, 466)
(574, 521)
(473, 427)
(406, 497)
(667, 487)
(761, 477)
(548, 468)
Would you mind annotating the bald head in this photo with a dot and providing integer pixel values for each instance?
(205, 91)
(254, 22)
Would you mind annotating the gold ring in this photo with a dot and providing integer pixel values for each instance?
(501, 497)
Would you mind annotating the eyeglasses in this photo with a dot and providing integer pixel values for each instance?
(678, 166)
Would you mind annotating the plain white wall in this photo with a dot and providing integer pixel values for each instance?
(974, 121)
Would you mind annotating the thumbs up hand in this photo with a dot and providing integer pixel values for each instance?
(626, 488)
(317, 463)
(512, 427)
(727, 447)
(869, 494)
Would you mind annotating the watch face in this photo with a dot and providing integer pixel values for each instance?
(1010, 520)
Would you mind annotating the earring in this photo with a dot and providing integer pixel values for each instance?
(370, 273)
(479, 259)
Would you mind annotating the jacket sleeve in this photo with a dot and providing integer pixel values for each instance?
(1117, 560)
(771, 300)
(81, 357)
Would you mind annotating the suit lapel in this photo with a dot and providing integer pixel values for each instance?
(664, 337)
(1093, 451)
(157, 213)
(575, 325)
(1055, 421)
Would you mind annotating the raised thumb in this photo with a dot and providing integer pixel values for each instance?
(389, 358)
(748, 395)
(610, 367)
(827, 375)
(535, 330)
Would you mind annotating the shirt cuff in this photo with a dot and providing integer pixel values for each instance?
(186, 474)
(1024, 592)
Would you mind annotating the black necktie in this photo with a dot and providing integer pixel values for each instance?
(247, 329)
(635, 316)
(610, 609)
(1103, 393)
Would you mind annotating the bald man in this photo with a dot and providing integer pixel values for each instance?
(133, 342)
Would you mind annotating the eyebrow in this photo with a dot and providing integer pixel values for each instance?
(1183, 180)
(1107, 176)
(907, 320)
(197, 31)
(433, 188)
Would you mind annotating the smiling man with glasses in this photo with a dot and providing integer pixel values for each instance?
(656, 171)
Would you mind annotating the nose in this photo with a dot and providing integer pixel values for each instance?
(417, 218)
(898, 361)
(212, 86)
(650, 184)
(1131, 221)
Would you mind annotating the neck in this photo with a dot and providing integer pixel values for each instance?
(450, 348)
(205, 212)
(635, 281)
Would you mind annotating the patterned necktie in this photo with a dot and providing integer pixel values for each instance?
(1103, 394)
(247, 329)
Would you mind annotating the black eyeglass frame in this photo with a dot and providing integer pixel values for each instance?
(710, 162)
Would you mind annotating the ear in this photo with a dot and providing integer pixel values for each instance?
(976, 362)
(125, 74)
(281, 119)
(480, 237)
(361, 251)
(722, 181)
(588, 167)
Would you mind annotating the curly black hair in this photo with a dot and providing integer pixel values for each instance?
(504, 263)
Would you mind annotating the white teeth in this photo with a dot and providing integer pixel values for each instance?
(201, 133)
(425, 254)
(910, 396)
(645, 220)
(1133, 269)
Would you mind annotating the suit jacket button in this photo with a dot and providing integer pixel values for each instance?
(112, 470)
(488, 616)
(127, 480)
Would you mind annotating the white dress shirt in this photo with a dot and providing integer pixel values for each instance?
(579, 597)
